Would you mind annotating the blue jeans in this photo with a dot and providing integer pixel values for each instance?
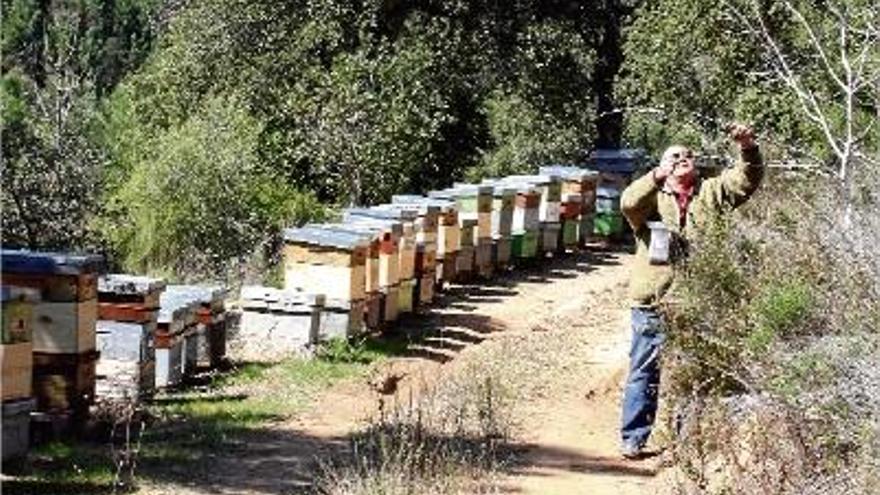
(643, 383)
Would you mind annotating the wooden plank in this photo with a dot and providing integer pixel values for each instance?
(127, 312)
(16, 361)
(65, 327)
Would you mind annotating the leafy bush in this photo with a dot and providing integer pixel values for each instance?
(200, 198)
(770, 335)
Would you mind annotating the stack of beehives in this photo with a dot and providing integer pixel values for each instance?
(403, 251)
(16, 362)
(333, 263)
(63, 336)
(128, 312)
(208, 340)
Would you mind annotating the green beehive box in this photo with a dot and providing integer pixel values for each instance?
(525, 244)
(608, 224)
(570, 233)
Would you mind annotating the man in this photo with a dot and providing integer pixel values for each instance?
(673, 194)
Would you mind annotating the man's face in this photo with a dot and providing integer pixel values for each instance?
(682, 158)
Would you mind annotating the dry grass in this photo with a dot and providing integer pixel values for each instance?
(448, 438)
(772, 341)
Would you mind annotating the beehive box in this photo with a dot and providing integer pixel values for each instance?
(16, 362)
(476, 201)
(126, 341)
(128, 312)
(501, 252)
(390, 234)
(427, 217)
(125, 380)
(608, 224)
(483, 264)
(373, 311)
(320, 261)
(425, 289)
(607, 199)
(447, 267)
(16, 427)
(374, 237)
(548, 242)
(128, 291)
(504, 198)
(406, 244)
(525, 213)
(585, 228)
(390, 303)
(64, 382)
(16, 359)
(210, 302)
(577, 180)
(276, 323)
(570, 208)
(341, 318)
(18, 313)
(569, 234)
(464, 264)
(177, 315)
(64, 318)
(169, 362)
(447, 238)
(193, 338)
(524, 245)
(550, 187)
(405, 296)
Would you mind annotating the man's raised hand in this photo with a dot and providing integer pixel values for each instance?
(743, 135)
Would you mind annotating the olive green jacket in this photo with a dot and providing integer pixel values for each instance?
(644, 201)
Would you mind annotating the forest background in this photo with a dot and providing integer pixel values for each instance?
(179, 137)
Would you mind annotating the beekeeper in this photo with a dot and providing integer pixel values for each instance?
(664, 207)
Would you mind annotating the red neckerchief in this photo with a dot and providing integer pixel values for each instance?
(683, 199)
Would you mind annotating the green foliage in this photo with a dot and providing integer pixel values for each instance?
(59, 59)
(200, 197)
(692, 66)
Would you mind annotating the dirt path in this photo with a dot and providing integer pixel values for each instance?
(561, 332)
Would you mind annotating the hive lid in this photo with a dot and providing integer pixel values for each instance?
(317, 235)
(49, 263)
(203, 294)
(623, 160)
(174, 307)
(448, 194)
(420, 209)
(445, 205)
(395, 227)
(473, 189)
(572, 197)
(258, 296)
(607, 192)
(569, 172)
(120, 283)
(16, 293)
(367, 231)
(540, 179)
(500, 188)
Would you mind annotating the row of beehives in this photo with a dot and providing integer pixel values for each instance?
(380, 262)
(72, 336)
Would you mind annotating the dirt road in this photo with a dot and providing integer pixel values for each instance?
(561, 332)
